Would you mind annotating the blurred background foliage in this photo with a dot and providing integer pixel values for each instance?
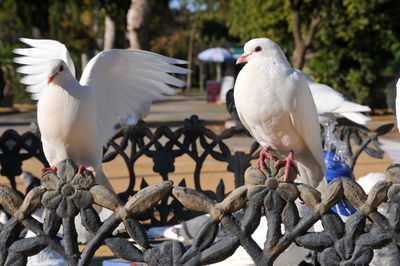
(353, 46)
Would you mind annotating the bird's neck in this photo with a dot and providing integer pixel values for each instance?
(63, 86)
(273, 66)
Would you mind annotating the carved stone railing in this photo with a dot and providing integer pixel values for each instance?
(164, 145)
(67, 193)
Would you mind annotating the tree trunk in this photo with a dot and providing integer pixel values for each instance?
(36, 33)
(109, 33)
(84, 60)
(301, 44)
(137, 24)
(299, 55)
(96, 29)
(190, 60)
(201, 74)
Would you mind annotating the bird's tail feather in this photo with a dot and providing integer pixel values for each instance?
(311, 172)
(350, 107)
(357, 118)
(104, 213)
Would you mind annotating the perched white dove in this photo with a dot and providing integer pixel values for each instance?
(275, 104)
(76, 119)
(332, 104)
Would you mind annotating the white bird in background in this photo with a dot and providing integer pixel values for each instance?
(332, 104)
(76, 119)
(275, 104)
(398, 103)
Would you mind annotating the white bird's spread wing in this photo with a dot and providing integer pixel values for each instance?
(126, 82)
(305, 119)
(35, 60)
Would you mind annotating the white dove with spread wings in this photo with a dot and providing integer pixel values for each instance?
(76, 119)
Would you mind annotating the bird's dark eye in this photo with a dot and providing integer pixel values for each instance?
(258, 48)
(61, 68)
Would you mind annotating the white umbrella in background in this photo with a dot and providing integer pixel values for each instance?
(217, 55)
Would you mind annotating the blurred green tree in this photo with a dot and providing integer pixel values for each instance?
(189, 28)
(357, 50)
(351, 45)
(11, 26)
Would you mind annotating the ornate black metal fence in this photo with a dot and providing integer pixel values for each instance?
(164, 146)
(364, 140)
(65, 194)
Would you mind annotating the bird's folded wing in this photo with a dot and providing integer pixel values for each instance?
(326, 99)
(35, 60)
(245, 124)
(305, 119)
(126, 82)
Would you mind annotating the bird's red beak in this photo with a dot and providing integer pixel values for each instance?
(50, 79)
(242, 58)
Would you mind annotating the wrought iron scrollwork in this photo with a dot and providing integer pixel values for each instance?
(165, 145)
(15, 149)
(66, 193)
(364, 139)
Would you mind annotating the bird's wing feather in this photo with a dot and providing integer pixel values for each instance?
(241, 118)
(35, 60)
(305, 119)
(245, 124)
(126, 82)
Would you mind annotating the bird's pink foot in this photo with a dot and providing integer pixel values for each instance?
(45, 169)
(288, 161)
(91, 169)
(83, 168)
(261, 159)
